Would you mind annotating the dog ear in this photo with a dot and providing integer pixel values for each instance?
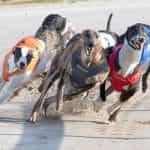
(48, 21)
(17, 51)
(14, 52)
(54, 22)
(96, 34)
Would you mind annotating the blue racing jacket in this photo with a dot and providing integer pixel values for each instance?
(145, 58)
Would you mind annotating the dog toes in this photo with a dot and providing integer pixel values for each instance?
(59, 108)
(113, 117)
(33, 118)
(113, 111)
(36, 116)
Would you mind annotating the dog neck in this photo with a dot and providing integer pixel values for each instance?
(128, 59)
(50, 37)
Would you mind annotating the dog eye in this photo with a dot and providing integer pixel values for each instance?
(29, 57)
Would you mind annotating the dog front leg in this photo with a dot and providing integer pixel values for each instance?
(39, 104)
(48, 74)
(53, 99)
(11, 86)
(101, 78)
(53, 67)
(60, 92)
(124, 97)
(144, 79)
(5, 94)
(103, 92)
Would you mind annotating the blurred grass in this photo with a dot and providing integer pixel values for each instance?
(36, 1)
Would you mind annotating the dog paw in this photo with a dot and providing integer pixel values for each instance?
(113, 117)
(36, 116)
(59, 108)
(113, 111)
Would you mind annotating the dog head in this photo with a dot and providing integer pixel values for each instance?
(92, 50)
(136, 36)
(22, 57)
(54, 22)
(58, 23)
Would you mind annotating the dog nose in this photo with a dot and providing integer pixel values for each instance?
(22, 65)
(141, 40)
(91, 45)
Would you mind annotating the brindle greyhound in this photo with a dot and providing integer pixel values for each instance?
(81, 66)
(82, 69)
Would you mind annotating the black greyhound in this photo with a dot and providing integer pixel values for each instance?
(129, 63)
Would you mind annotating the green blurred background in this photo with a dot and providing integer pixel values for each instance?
(37, 1)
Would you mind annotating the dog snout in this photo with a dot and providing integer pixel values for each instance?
(22, 65)
(90, 45)
(137, 42)
(141, 40)
(89, 48)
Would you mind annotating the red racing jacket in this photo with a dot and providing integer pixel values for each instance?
(119, 82)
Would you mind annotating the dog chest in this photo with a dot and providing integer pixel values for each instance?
(79, 73)
(119, 82)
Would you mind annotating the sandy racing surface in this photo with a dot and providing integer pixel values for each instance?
(74, 131)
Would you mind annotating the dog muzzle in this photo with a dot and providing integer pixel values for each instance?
(137, 42)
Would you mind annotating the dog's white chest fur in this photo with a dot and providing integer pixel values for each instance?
(11, 64)
(107, 40)
(128, 59)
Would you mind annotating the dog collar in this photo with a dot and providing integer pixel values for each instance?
(119, 83)
(35, 45)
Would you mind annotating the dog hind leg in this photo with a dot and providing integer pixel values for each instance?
(115, 108)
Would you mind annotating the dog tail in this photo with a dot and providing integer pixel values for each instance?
(108, 22)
